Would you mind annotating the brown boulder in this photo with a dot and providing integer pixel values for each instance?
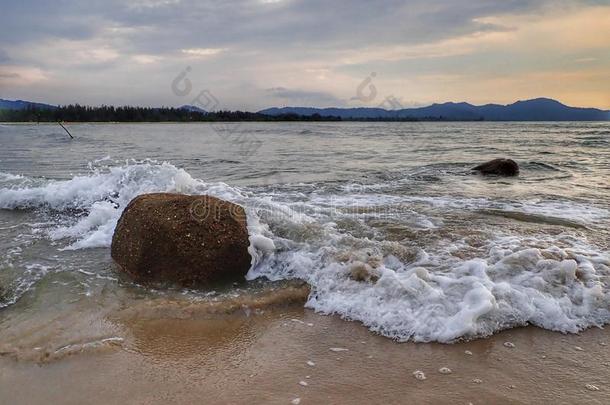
(181, 239)
(499, 167)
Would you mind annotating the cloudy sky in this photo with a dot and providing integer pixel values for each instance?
(251, 54)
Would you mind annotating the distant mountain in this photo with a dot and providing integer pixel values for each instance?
(22, 105)
(539, 109)
(193, 108)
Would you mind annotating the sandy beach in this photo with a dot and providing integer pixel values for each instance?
(427, 252)
(266, 348)
(304, 202)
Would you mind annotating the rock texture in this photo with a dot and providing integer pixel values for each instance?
(181, 239)
(499, 167)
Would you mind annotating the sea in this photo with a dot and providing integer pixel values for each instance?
(385, 221)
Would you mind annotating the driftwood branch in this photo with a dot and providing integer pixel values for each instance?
(65, 129)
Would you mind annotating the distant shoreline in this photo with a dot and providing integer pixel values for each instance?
(535, 110)
(291, 120)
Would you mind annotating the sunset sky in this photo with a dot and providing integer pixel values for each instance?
(252, 54)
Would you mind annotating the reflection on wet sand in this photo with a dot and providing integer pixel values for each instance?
(254, 349)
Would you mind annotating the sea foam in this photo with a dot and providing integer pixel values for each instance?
(441, 291)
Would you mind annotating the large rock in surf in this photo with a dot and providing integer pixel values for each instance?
(498, 167)
(181, 239)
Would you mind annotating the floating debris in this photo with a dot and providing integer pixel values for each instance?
(296, 401)
(477, 381)
(592, 387)
(444, 370)
(311, 363)
(468, 352)
(338, 349)
(603, 344)
(303, 383)
(510, 345)
(512, 387)
(419, 375)
(580, 349)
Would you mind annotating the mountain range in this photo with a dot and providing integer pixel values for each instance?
(22, 105)
(539, 109)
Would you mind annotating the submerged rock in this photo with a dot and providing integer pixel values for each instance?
(181, 239)
(360, 271)
(498, 167)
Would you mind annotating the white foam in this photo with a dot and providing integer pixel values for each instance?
(10, 177)
(439, 297)
(428, 293)
(102, 196)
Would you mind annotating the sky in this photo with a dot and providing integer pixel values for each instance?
(252, 54)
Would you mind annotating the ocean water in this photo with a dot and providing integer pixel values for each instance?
(385, 221)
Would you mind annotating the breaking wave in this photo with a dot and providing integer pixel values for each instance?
(396, 263)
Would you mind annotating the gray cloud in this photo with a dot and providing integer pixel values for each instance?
(304, 97)
(162, 26)
(260, 44)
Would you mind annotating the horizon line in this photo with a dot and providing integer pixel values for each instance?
(378, 107)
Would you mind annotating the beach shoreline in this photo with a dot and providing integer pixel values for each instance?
(277, 353)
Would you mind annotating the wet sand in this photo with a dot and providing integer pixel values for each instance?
(160, 351)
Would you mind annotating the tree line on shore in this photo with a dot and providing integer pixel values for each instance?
(79, 113)
(104, 113)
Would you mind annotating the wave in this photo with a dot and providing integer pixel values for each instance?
(102, 195)
(432, 282)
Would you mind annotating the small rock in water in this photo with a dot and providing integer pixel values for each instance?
(468, 352)
(499, 167)
(311, 363)
(477, 381)
(510, 345)
(419, 375)
(512, 387)
(296, 401)
(303, 383)
(444, 370)
(592, 387)
(338, 349)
